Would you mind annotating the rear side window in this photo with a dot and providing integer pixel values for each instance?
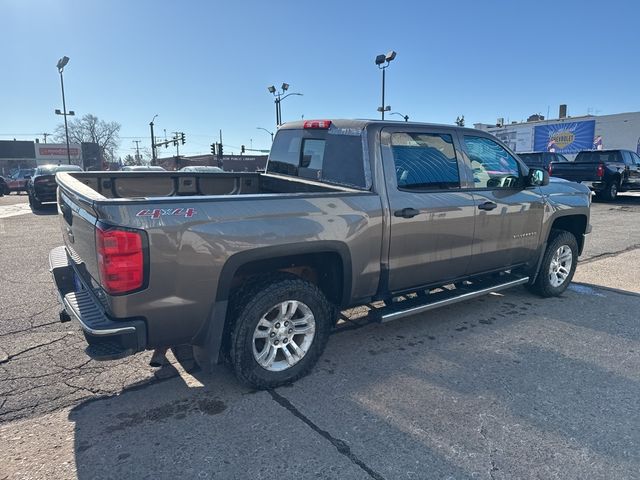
(324, 155)
(425, 161)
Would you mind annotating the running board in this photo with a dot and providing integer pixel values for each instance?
(445, 297)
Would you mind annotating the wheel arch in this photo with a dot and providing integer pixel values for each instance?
(575, 224)
(331, 261)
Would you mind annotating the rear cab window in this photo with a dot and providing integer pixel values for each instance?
(333, 155)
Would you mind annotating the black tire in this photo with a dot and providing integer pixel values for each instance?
(35, 204)
(251, 303)
(610, 192)
(543, 285)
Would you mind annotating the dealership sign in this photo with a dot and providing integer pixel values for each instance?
(52, 152)
(567, 137)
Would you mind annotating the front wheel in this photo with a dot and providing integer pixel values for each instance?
(558, 265)
(35, 204)
(281, 329)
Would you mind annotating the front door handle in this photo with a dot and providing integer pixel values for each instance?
(406, 213)
(487, 206)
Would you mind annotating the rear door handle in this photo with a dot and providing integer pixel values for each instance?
(487, 206)
(406, 213)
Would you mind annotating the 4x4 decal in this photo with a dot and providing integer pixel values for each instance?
(167, 212)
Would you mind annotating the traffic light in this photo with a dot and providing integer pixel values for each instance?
(213, 149)
(220, 152)
(182, 137)
(241, 149)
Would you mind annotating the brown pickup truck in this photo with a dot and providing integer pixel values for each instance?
(254, 267)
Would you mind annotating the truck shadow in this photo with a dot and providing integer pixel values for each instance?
(505, 383)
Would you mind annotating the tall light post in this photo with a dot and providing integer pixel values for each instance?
(406, 117)
(61, 64)
(382, 61)
(269, 132)
(279, 96)
(153, 142)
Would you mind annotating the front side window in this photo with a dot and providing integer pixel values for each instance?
(492, 165)
(626, 156)
(635, 158)
(425, 161)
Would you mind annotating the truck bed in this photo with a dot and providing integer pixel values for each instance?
(133, 185)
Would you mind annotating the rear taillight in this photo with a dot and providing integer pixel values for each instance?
(600, 171)
(120, 259)
(550, 169)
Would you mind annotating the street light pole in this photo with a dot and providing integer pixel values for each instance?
(382, 61)
(269, 132)
(406, 117)
(61, 64)
(279, 96)
(153, 142)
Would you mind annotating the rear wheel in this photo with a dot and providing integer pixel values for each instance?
(282, 327)
(558, 265)
(610, 192)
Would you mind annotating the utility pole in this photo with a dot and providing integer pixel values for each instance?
(176, 137)
(137, 149)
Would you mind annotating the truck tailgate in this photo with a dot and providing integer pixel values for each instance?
(576, 171)
(78, 222)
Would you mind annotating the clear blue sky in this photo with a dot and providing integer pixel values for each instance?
(203, 65)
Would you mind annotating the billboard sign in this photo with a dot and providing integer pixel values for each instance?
(55, 152)
(566, 137)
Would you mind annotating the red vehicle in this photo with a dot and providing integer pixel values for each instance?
(17, 182)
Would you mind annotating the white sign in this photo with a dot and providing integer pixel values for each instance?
(52, 152)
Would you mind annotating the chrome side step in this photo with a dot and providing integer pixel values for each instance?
(448, 297)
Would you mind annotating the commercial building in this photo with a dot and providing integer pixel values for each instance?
(17, 155)
(569, 135)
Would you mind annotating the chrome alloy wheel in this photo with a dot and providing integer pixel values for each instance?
(283, 335)
(560, 266)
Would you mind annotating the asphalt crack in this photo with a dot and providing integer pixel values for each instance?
(600, 256)
(342, 446)
(34, 347)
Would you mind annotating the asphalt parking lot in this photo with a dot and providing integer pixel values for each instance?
(506, 386)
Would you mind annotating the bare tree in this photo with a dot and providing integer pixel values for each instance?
(90, 128)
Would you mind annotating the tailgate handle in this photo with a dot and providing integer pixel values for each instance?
(487, 206)
(406, 213)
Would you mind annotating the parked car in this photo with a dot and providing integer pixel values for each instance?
(542, 159)
(42, 186)
(202, 169)
(606, 172)
(17, 182)
(142, 168)
(4, 186)
(253, 267)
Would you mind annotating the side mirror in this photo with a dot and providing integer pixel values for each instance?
(538, 177)
(27, 177)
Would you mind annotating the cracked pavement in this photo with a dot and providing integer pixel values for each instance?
(506, 386)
